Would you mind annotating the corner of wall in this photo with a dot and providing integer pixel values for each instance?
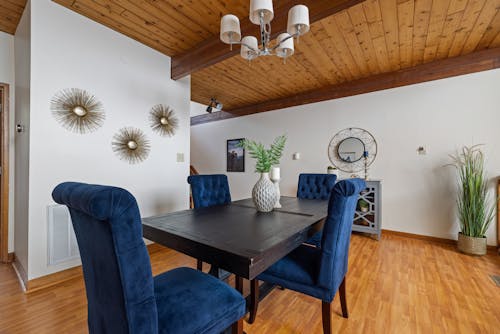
(22, 55)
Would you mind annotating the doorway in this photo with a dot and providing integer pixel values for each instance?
(4, 173)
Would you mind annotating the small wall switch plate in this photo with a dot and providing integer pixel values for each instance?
(296, 156)
(421, 150)
(180, 157)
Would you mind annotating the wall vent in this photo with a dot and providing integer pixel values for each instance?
(62, 245)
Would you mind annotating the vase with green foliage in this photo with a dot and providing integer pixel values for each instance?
(363, 205)
(264, 193)
(475, 208)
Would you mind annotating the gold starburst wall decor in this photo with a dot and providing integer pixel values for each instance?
(163, 120)
(131, 144)
(77, 110)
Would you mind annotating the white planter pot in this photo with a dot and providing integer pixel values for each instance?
(333, 172)
(264, 194)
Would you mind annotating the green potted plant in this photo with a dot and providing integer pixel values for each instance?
(264, 192)
(475, 209)
(363, 205)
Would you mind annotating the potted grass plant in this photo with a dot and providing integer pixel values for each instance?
(475, 208)
(264, 192)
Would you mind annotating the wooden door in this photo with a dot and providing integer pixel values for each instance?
(4, 173)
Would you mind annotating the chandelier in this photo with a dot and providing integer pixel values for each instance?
(261, 14)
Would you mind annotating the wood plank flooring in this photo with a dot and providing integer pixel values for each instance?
(395, 285)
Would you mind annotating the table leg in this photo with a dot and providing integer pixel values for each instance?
(254, 300)
(261, 292)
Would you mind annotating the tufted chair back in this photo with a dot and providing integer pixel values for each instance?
(315, 186)
(116, 267)
(209, 190)
(337, 233)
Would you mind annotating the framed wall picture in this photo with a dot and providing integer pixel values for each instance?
(235, 156)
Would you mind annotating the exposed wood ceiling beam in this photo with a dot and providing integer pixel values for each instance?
(475, 62)
(212, 51)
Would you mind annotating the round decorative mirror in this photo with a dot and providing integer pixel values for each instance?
(352, 150)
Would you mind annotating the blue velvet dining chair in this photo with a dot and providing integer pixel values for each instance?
(315, 186)
(321, 272)
(209, 190)
(122, 294)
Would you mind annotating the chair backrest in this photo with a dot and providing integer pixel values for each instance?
(337, 233)
(209, 190)
(115, 261)
(315, 186)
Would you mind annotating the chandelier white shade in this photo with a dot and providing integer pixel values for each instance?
(285, 45)
(248, 46)
(261, 7)
(261, 13)
(230, 29)
(298, 20)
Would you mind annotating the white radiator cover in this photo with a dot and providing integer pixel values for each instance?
(62, 245)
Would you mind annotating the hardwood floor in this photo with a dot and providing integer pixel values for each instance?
(395, 285)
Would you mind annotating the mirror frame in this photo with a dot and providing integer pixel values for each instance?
(362, 153)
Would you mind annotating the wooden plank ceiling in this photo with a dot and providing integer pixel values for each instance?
(377, 36)
(10, 14)
(365, 40)
(169, 26)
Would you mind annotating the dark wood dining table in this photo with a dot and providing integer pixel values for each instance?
(239, 239)
(236, 237)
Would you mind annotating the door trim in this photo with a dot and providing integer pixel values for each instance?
(4, 177)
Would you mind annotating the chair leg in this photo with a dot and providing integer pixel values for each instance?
(254, 299)
(326, 313)
(199, 265)
(343, 301)
(238, 284)
(237, 327)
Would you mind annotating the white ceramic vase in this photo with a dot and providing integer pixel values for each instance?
(264, 194)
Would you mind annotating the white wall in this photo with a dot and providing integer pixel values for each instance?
(67, 51)
(418, 191)
(7, 75)
(22, 44)
(197, 109)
